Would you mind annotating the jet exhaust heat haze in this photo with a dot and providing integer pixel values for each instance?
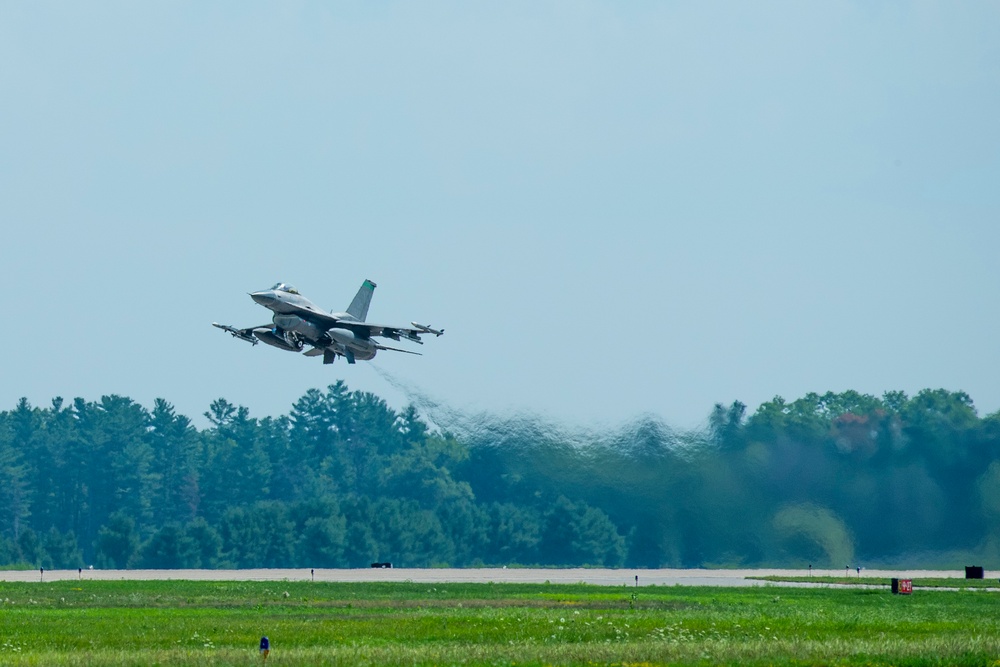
(644, 434)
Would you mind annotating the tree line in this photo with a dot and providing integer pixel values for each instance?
(343, 480)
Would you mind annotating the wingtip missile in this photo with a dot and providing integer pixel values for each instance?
(426, 329)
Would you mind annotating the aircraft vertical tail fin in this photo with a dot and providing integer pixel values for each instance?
(359, 307)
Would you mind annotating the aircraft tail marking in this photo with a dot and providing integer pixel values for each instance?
(359, 307)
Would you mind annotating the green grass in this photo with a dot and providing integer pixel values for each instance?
(927, 582)
(219, 623)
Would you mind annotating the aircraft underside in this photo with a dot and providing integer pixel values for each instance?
(292, 333)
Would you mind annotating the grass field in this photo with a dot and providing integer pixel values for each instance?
(918, 582)
(220, 623)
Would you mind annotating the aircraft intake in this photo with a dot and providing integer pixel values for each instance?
(295, 323)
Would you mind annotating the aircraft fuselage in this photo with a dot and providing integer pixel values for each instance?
(292, 315)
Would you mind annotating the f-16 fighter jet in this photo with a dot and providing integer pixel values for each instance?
(299, 324)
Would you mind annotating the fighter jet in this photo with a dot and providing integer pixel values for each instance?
(299, 324)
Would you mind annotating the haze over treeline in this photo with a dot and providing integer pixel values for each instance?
(343, 480)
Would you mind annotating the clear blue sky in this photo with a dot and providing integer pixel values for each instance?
(613, 208)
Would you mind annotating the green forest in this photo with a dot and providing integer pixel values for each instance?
(343, 480)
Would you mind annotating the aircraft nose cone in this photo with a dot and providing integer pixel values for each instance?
(263, 298)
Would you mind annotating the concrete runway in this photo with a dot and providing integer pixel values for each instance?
(603, 577)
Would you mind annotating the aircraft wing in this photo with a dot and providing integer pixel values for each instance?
(370, 329)
(365, 329)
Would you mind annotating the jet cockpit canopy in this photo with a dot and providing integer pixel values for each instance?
(285, 288)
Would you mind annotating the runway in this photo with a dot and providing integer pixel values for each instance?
(601, 577)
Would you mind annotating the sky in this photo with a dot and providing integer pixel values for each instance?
(614, 209)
